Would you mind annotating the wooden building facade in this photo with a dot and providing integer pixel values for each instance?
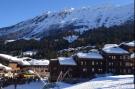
(117, 60)
(63, 68)
(89, 64)
(39, 67)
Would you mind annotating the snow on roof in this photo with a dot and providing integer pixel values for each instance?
(31, 71)
(66, 61)
(110, 45)
(8, 41)
(24, 62)
(109, 82)
(30, 53)
(132, 55)
(94, 50)
(115, 49)
(25, 58)
(10, 58)
(5, 67)
(132, 44)
(1, 66)
(53, 59)
(39, 62)
(93, 55)
(13, 59)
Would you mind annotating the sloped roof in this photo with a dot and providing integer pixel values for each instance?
(90, 55)
(115, 50)
(132, 44)
(5, 67)
(66, 61)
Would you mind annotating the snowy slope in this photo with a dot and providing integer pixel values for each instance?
(110, 82)
(82, 19)
(37, 85)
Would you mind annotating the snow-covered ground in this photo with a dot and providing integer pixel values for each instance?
(38, 85)
(109, 82)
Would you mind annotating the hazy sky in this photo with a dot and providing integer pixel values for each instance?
(14, 11)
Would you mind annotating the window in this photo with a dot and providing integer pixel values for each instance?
(101, 63)
(85, 63)
(110, 57)
(84, 69)
(120, 57)
(110, 63)
(100, 70)
(120, 63)
(92, 62)
(129, 71)
(93, 69)
(81, 62)
(124, 57)
(128, 57)
(113, 57)
(128, 64)
(124, 70)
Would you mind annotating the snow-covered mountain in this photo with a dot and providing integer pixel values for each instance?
(78, 20)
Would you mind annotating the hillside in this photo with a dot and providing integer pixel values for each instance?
(71, 20)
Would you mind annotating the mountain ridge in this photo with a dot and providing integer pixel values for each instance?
(79, 20)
